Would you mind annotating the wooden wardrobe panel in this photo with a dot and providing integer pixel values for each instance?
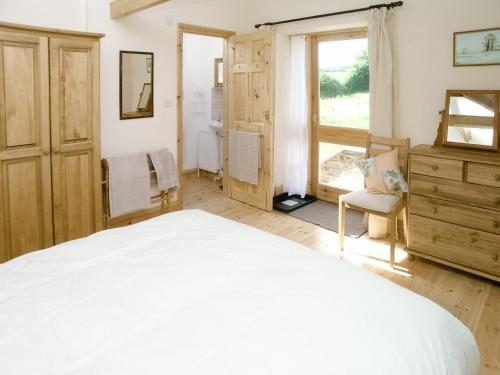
(19, 68)
(23, 194)
(25, 170)
(74, 84)
(75, 195)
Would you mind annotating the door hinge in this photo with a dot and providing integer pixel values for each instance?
(315, 120)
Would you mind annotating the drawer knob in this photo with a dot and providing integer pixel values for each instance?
(435, 210)
(495, 257)
(435, 238)
(497, 201)
(435, 189)
(497, 177)
(435, 167)
(496, 224)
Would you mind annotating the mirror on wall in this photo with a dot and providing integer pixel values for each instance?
(471, 119)
(218, 72)
(136, 84)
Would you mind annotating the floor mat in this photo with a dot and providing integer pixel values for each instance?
(326, 215)
(288, 203)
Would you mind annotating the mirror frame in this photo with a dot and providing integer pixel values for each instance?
(218, 61)
(445, 118)
(138, 114)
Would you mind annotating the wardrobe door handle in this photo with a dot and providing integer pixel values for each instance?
(45, 151)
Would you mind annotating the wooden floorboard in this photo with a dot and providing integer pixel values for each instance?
(473, 300)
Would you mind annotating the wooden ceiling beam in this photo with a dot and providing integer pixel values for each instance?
(122, 8)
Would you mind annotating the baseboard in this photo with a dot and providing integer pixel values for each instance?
(190, 172)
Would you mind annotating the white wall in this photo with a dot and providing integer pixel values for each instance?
(63, 14)
(424, 27)
(198, 71)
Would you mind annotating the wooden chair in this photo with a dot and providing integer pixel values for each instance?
(385, 205)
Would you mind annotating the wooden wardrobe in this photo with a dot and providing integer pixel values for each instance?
(50, 185)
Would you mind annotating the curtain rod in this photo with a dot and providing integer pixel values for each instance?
(376, 6)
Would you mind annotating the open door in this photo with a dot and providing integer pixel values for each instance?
(251, 108)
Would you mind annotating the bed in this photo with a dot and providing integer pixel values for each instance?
(193, 293)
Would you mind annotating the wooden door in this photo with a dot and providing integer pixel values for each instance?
(76, 180)
(251, 108)
(25, 184)
(339, 133)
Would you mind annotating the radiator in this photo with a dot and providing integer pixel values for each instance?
(208, 151)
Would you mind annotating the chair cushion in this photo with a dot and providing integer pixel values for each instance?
(372, 201)
(382, 173)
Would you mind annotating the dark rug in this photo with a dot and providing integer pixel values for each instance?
(326, 215)
(287, 204)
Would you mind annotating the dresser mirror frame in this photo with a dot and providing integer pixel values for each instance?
(443, 130)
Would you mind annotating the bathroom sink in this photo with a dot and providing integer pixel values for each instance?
(216, 126)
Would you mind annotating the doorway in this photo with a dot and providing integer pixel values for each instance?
(201, 98)
(340, 112)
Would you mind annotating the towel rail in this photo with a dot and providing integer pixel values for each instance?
(162, 201)
(246, 131)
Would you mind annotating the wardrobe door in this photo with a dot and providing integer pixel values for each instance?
(25, 184)
(76, 175)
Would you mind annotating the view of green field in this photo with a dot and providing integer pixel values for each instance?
(344, 93)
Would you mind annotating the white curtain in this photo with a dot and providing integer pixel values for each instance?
(296, 130)
(383, 84)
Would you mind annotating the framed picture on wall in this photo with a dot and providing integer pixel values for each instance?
(476, 47)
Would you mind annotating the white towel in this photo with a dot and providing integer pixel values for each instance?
(129, 184)
(166, 170)
(244, 156)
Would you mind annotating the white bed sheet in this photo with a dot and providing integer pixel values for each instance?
(192, 293)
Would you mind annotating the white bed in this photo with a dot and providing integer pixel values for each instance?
(192, 293)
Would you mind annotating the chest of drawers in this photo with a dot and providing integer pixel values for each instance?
(454, 208)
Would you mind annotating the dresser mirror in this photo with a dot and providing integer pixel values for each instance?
(470, 119)
(136, 84)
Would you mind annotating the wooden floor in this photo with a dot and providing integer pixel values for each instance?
(475, 301)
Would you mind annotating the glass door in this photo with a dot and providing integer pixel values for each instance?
(340, 103)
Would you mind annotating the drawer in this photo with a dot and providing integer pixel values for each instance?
(437, 167)
(460, 192)
(483, 174)
(467, 216)
(454, 243)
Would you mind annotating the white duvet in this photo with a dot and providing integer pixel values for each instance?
(192, 293)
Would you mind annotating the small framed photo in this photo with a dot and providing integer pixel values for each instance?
(476, 47)
(148, 64)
